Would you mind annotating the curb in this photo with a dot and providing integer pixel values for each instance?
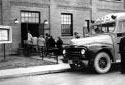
(34, 73)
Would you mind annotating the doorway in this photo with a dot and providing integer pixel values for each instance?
(32, 27)
(30, 21)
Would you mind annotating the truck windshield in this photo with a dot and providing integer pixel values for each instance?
(103, 28)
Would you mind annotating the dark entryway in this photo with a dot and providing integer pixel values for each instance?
(30, 21)
(32, 27)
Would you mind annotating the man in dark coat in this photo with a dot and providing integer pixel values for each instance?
(59, 44)
(46, 40)
(51, 42)
(122, 53)
(51, 45)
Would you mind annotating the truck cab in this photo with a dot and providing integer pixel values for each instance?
(101, 48)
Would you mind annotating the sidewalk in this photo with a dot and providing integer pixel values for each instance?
(35, 70)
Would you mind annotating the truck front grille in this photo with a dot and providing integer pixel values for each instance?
(73, 51)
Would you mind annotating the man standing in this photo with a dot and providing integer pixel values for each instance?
(29, 38)
(59, 44)
(41, 45)
(76, 35)
(122, 53)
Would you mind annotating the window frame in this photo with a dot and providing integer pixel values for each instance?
(122, 28)
(31, 17)
(69, 22)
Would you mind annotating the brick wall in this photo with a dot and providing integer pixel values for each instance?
(80, 10)
(12, 9)
(51, 10)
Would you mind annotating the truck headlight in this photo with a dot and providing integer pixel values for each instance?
(64, 52)
(83, 51)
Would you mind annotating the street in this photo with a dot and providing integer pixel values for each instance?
(69, 78)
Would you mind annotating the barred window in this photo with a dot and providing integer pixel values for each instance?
(66, 24)
(30, 17)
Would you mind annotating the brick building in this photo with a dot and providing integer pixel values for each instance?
(64, 17)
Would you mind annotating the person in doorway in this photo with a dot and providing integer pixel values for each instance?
(59, 44)
(29, 38)
(122, 53)
(34, 40)
(34, 43)
(27, 44)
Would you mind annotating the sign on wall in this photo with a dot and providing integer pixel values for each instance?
(5, 34)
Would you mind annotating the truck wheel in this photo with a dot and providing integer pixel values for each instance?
(75, 67)
(102, 63)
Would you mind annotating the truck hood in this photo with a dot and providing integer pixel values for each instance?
(92, 40)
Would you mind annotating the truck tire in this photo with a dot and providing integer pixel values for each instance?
(102, 63)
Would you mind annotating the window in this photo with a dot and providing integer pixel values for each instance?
(121, 26)
(103, 28)
(30, 17)
(66, 24)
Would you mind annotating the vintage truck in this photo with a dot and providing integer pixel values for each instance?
(101, 48)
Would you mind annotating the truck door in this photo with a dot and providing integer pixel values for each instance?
(116, 48)
(119, 35)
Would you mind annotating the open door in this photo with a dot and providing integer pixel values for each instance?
(32, 27)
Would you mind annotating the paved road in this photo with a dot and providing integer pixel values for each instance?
(69, 78)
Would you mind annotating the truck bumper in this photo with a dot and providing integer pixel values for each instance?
(84, 62)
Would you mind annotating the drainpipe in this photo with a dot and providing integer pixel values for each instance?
(49, 20)
(49, 16)
(1, 12)
(124, 4)
(91, 10)
(91, 15)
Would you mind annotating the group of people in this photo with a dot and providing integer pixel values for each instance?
(40, 41)
(52, 43)
(47, 43)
